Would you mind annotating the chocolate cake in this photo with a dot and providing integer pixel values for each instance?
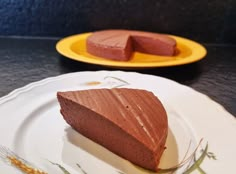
(131, 123)
(120, 44)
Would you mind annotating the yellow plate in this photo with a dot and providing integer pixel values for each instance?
(74, 47)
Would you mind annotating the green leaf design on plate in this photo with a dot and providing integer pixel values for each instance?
(81, 169)
(60, 167)
(211, 155)
(123, 82)
(198, 162)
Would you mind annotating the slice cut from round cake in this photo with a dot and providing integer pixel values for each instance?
(131, 123)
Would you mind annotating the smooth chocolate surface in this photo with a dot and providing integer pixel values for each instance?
(111, 44)
(131, 123)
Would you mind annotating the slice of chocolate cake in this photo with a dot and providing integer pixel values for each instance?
(131, 123)
(115, 45)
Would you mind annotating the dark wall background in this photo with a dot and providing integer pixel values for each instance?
(212, 21)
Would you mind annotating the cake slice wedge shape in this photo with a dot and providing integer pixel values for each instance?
(131, 123)
(115, 45)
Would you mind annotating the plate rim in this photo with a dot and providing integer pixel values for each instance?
(14, 93)
(64, 44)
(32, 85)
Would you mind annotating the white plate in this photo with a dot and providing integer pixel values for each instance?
(31, 125)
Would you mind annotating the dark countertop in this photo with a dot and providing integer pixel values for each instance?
(25, 60)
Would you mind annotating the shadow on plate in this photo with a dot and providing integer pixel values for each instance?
(93, 158)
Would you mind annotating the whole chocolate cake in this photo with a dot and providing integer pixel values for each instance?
(131, 123)
(120, 44)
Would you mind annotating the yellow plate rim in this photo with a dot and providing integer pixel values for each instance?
(63, 46)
